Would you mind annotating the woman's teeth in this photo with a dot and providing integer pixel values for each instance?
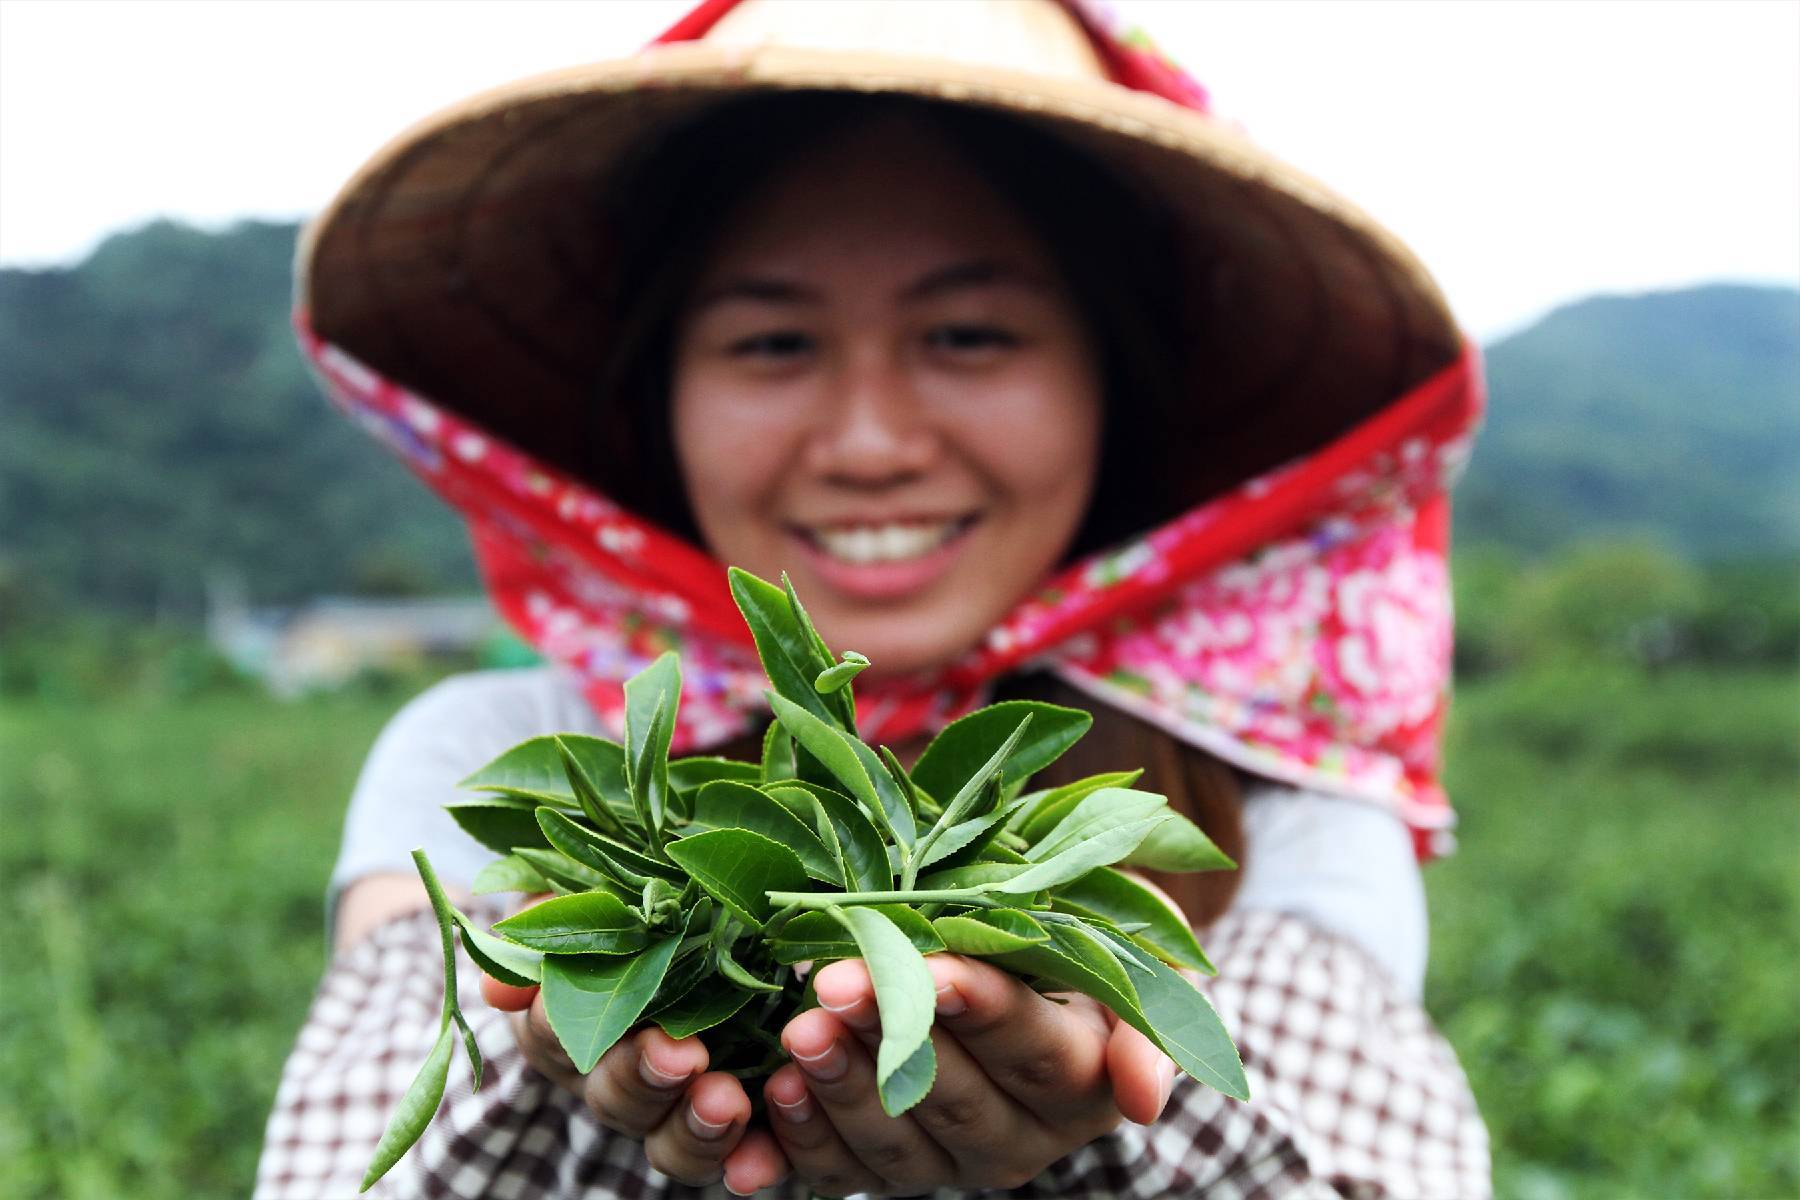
(892, 542)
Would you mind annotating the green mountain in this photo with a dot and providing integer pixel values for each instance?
(156, 427)
(1674, 416)
(159, 426)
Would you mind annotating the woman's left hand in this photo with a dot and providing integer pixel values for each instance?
(1021, 1082)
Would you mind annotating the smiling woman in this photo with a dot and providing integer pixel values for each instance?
(1036, 382)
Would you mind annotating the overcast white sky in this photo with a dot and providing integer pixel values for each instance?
(1532, 152)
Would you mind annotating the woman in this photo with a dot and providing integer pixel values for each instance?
(923, 356)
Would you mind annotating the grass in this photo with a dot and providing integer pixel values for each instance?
(1615, 943)
(1613, 959)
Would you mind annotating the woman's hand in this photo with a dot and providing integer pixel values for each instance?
(693, 1123)
(1021, 1082)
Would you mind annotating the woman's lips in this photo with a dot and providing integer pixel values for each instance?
(884, 561)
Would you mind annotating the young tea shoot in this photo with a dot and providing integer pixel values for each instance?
(686, 891)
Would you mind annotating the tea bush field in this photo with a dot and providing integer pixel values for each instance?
(1613, 957)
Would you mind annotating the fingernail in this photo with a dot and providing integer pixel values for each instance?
(827, 1065)
(705, 1130)
(660, 1080)
(950, 1002)
(1166, 1069)
(856, 1014)
(798, 1112)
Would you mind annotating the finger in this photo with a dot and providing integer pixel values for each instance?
(1142, 1075)
(506, 997)
(538, 1042)
(693, 1140)
(639, 1082)
(757, 1163)
(994, 1139)
(819, 1156)
(1049, 1057)
(841, 1077)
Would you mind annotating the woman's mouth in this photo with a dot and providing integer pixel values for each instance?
(882, 560)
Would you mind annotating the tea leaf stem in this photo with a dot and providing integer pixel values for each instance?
(818, 900)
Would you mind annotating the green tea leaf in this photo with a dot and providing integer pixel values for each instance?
(733, 970)
(1099, 850)
(911, 1081)
(563, 872)
(737, 868)
(1098, 811)
(587, 792)
(833, 678)
(692, 774)
(959, 837)
(591, 1000)
(789, 657)
(501, 959)
(976, 877)
(501, 823)
(603, 853)
(1041, 811)
(987, 932)
(727, 804)
(647, 757)
(1179, 845)
(906, 998)
(699, 1009)
(509, 874)
(849, 762)
(587, 923)
(895, 800)
(415, 1109)
(956, 753)
(862, 851)
(1123, 900)
(1183, 1022)
(778, 754)
(533, 770)
(836, 699)
(980, 786)
(817, 935)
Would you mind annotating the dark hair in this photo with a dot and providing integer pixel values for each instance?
(664, 217)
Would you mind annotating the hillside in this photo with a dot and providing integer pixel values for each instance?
(1674, 415)
(160, 427)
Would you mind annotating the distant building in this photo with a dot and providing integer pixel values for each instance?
(330, 641)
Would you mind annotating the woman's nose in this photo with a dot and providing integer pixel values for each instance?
(872, 429)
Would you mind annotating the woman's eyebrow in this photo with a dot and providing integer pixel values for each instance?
(981, 272)
(766, 291)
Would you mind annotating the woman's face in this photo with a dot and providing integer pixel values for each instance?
(882, 387)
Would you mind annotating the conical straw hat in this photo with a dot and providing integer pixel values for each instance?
(465, 260)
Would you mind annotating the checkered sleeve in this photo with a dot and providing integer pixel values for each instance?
(1353, 1093)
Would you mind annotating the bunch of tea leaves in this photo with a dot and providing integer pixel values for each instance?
(688, 890)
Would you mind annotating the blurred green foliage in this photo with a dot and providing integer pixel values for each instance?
(1614, 944)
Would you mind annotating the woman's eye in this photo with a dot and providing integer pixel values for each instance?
(967, 338)
(775, 346)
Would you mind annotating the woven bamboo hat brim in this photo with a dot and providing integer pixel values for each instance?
(464, 260)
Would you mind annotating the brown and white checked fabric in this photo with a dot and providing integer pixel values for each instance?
(1354, 1093)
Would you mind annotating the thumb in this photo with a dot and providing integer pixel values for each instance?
(1142, 1075)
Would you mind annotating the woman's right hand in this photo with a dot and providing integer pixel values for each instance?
(694, 1123)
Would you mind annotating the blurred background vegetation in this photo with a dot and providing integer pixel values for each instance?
(1613, 944)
